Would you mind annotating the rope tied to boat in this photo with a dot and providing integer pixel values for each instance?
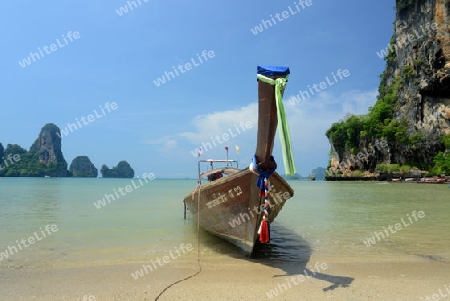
(261, 173)
(198, 244)
(263, 183)
(264, 228)
(285, 136)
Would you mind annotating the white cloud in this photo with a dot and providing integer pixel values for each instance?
(219, 123)
(162, 140)
(308, 120)
(311, 118)
(168, 145)
(357, 103)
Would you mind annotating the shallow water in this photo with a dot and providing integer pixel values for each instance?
(323, 219)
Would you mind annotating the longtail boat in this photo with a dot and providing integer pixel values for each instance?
(238, 205)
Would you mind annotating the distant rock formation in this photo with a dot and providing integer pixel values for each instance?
(409, 126)
(45, 158)
(2, 158)
(295, 176)
(122, 170)
(318, 173)
(2, 152)
(82, 167)
(48, 148)
(11, 161)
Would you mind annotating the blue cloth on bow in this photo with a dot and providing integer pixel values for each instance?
(262, 174)
(273, 70)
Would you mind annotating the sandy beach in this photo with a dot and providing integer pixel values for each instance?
(316, 252)
(225, 277)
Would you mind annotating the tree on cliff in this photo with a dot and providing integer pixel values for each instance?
(122, 170)
(81, 166)
(44, 158)
(411, 112)
(442, 159)
(48, 148)
(26, 166)
(2, 157)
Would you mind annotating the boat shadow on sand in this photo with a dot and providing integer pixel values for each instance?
(291, 252)
(287, 251)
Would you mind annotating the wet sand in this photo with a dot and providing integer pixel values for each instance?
(225, 277)
(94, 257)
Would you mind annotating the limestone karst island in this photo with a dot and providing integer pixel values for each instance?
(45, 159)
(406, 134)
(279, 150)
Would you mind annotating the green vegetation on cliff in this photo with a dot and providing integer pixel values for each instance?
(378, 123)
(2, 152)
(122, 170)
(411, 112)
(442, 159)
(401, 4)
(45, 158)
(82, 167)
(27, 165)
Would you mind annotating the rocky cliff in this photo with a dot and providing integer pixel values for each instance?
(422, 60)
(45, 158)
(48, 148)
(122, 170)
(81, 166)
(412, 115)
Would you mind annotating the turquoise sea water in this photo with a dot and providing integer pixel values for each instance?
(323, 218)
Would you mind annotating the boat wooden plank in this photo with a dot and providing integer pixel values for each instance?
(230, 207)
(227, 206)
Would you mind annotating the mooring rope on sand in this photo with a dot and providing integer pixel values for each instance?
(198, 248)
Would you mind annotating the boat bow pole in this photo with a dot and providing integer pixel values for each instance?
(271, 84)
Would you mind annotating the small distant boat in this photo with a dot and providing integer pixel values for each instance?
(312, 178)
(231, 205)
(431, 181)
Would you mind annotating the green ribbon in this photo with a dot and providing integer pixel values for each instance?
(285, 136)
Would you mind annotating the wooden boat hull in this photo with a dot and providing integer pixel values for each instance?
(230, 207)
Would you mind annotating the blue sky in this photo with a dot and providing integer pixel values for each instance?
(155, 128)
